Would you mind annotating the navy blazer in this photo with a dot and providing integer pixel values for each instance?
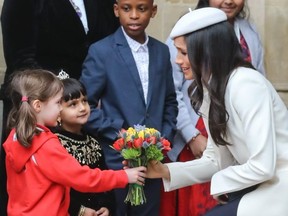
(110, 74)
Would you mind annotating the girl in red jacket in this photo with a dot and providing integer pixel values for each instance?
(40, 172)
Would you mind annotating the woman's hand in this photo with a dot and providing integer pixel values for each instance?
(198, 145)
(222, 199)
(155, 169)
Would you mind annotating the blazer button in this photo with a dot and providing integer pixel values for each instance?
(147, 115)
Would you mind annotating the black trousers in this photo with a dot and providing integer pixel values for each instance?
(231, 207)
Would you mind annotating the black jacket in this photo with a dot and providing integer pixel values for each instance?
(49, 34)
(87, 151)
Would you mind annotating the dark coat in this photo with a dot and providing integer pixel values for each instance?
(49, 34)
(110, 74)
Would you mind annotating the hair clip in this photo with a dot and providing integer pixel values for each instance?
(63, 75)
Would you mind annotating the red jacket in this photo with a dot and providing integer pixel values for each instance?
(39, 178)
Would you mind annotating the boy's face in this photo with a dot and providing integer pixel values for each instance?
(134, 16)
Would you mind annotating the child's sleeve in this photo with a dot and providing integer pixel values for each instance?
(60, 167)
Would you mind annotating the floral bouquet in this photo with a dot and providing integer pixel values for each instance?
(139, 145)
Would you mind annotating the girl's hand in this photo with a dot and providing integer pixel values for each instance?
(102, 212)
(136, 175)
(157, 170)
(125, 164)
(89, 212)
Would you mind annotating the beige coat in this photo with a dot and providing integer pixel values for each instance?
(258, 131)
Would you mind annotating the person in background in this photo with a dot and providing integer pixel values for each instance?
(190, 140)
(85, 148)
(131, 74)
(40, 171)
(48, 34)
(237, 12)
(246, 155)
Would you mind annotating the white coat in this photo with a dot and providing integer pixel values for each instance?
(258, 132)
(187, 118)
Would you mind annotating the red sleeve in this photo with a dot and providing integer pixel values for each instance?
(59, 166)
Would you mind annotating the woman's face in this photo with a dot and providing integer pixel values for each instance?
(230, 7)
(182, 57)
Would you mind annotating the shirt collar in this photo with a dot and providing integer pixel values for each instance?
(135, 45)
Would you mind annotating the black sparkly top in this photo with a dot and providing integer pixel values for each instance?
(87, 151)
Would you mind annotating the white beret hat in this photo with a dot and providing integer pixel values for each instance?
(197, 19)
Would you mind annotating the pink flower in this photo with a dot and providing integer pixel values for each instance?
(153, 140)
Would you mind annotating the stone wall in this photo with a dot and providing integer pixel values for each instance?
(269, 16)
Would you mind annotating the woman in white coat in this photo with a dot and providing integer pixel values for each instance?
(246, 158)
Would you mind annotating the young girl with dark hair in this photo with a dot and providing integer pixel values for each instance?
(82, 146)
(40, 172)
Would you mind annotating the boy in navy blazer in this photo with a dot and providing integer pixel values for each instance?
(131, 74)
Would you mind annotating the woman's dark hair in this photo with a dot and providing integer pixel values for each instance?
(214, 52)
(34, 84)
(202, 3)
(244, 13)
(73, 89)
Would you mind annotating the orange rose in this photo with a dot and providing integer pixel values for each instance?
(119, 144)
(138, 142)
(166, 144)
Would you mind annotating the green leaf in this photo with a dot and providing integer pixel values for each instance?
(131, 153)
(153, 153)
